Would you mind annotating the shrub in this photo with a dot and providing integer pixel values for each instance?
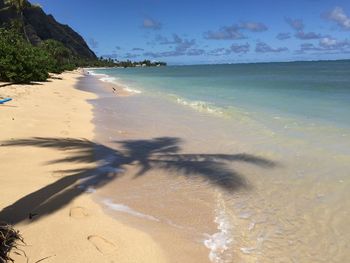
(9, 239)
(61, 57)
(19, 61)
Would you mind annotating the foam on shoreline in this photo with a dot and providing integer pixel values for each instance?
(113, 80)
(201, 106)
(219, 242)
(125, 209)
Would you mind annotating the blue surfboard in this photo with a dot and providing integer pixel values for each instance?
(5, 100)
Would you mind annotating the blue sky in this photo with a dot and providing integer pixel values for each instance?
(210, 31)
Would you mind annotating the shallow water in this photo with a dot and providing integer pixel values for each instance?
(271, 187)
(311, 91)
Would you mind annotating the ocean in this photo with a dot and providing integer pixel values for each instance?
(261, 153)
(317, 91)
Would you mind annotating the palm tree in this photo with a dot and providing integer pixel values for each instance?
(19, 5)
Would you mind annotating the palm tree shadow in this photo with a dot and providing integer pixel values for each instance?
(158, 153)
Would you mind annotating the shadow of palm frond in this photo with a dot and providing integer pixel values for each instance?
(158, 153)
(163, 153)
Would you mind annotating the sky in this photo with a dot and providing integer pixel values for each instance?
(209, 31)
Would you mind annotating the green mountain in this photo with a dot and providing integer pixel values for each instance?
(39, 26)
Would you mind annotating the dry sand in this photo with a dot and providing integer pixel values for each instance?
(66, 228)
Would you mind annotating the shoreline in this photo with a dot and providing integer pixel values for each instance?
(44, 132)
(172, 238)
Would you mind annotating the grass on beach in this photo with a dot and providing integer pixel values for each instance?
(9, 239)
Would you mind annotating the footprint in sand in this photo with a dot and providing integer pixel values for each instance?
(102, 245)
(64, 132)
(78, 212)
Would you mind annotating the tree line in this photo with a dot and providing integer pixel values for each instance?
(21, 62)
(129, 63)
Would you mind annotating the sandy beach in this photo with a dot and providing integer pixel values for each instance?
(40, 193)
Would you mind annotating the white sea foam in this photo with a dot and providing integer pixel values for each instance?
(93, 73)
(108, 79)
(125, 209)
(201, 106)
(220, 242)
(114, 80)
(132, 90)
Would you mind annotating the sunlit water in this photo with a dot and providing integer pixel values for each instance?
(294, 116)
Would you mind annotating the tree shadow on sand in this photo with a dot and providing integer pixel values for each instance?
(158, 153)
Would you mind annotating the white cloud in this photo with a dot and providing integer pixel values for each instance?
(332, 43)
(253, 26)
(225, 33)
(180, 47)
(328, 42)
(240, 48)
(308, 35)
(296, 24)
(338, 15)
(234, 32)
(262, 47)
(150, 23)
(283, 36)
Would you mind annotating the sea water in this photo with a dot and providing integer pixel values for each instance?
(295, 114)
(318, 91)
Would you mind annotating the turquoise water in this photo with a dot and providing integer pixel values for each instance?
(311, 91)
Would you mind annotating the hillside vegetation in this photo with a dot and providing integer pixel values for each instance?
(33, 44)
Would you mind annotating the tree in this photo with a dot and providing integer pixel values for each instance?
(20, 5)
(62, 57)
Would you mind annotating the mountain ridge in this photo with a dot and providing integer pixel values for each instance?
(40, 26)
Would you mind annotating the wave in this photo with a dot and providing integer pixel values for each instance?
(231, 112)
(108, 79)
(201, 106)
(93, 73)
(113, 80)
(218, 243)
(132, 90)
(197, 105)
